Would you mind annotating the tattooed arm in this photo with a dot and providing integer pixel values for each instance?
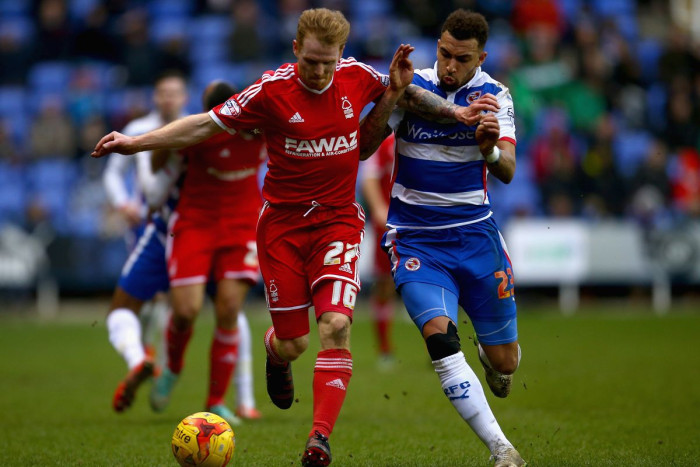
(373, 128)
(433, 107)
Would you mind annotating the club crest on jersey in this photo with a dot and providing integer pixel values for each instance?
(472, 96)
(412, 264)
(272, 292)
(347, 107)
(231, 108)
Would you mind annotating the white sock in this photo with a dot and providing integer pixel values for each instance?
(153, 319)
(243, 376)
(124, 331)
(462, 387)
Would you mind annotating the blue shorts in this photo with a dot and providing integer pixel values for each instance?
(145, 272)
(469, 262)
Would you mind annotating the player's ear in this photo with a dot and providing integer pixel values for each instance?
(340, 52)
(295, 48)
(482, 57)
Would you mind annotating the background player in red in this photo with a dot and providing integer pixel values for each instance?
(212, 236)
(310, 226)
(376, 175)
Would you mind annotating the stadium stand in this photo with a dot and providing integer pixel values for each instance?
(661, 64)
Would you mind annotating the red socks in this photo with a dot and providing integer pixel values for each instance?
(223, 358)
(176, 341)
(331, 377)
(383, 316)
(275, 358)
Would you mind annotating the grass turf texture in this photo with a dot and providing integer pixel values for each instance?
(612, 385)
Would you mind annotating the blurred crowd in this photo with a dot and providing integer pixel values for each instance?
(607, 93)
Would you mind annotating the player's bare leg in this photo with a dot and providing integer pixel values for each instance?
(186, 303)
(230, 294)
(499, 362)
(124, 331)
(278, 367)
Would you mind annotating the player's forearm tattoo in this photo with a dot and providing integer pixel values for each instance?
(428, 105)
(374, 129)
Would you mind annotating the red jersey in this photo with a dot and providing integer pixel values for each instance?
(222, 179)
(312, 136)
(381, 166)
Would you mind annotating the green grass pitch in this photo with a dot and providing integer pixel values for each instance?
(613, 385)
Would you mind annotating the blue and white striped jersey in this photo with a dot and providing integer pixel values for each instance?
(440, 173)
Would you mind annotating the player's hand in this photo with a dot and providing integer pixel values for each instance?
(401, 68)
(487, 133)
(472, 114)
(115, 142)
(131, 214)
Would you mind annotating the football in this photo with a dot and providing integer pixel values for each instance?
(203, 439)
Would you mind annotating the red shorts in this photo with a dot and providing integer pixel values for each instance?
(199, 252)
(309, 257)
(382, 265)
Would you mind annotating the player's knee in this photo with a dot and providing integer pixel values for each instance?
(507, 365)
(185, 312)
(334, 329)
(443, 345)
(505, 359)
(291, 349)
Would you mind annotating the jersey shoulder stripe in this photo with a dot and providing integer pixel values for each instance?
(283, 73)
(351, 62)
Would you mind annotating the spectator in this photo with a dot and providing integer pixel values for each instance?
(52, 133)
(138, 54)
(14, 56)
(686, 183)
(245, 43)
(678, 58)
(603, 186)
(534, 14)
(54, 37)
(173, 54)
(92, 129)
(84, 97)
(682, 129)
(9, 153)
(650, 187)
(95, 41)
(555, 158)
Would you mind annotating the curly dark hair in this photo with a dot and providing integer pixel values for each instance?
(463, 24)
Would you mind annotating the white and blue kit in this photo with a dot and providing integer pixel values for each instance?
(145, 272)
(445, 247)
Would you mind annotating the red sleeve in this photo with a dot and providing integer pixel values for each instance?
(245, 110)
(372, 83)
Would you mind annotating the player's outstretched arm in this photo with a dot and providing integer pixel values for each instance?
(433, 107)
(373, 128)
(178, 134)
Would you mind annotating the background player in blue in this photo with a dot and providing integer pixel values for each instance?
(145, 274)
(445, 248)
